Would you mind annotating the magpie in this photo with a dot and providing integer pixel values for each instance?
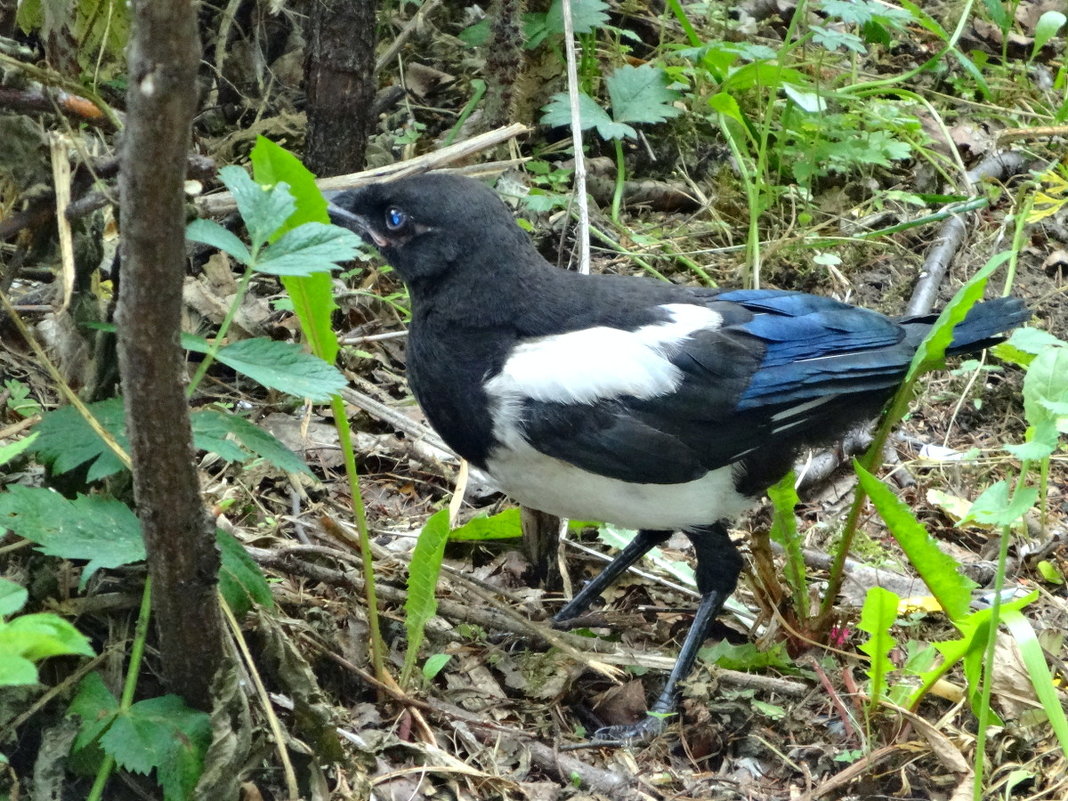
(650, 405)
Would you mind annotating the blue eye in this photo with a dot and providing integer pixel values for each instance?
(395, 218)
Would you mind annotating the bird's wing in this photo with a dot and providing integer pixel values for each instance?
(665, 403)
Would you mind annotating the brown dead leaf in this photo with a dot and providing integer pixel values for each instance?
(622, 704)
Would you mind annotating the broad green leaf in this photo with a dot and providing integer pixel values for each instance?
(41, 635)
(937, 569)
(16, 671)
(211, 233)
(284, 366)
(264, 209)
(101, 530)
(12, 597)
(586, 16)
(312, 295)
(1046, 28)
(211, 430)
(876, 619)
(501, 526)
(241, 581)
(65, 441)
(558, 114)
(311, 248)
(1042, 441)
(1026, 343)
(423, 573)
(1045, 388)
(746, 656)
(97, 706)
(997, 506)
(641, 95)
(165, 734)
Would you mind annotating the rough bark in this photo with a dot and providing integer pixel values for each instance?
(179, 535)
(340, 80)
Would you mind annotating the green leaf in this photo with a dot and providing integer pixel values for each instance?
(1045, 388)
(211, 233)
(747, 656)
(97, 706)
(586, 16)
(784, 531)
(932, 349)
(558, 114)
(13, 449)
(641, 94)
(937, 569)
(1038, 672)
(241, 581)
(12, 597)
(211, 430)
(1024, 344)
(312, 295)
(16, 671)
(726, 105)
(101, 530)
(876, 619)
(501, 526)
(434, 665)
(66, 441)
(165, 734)
(39, 636)
(995, 507)
(423, 573)
(1046, 28)
(284, 366)
(264, 209)
(311, 248)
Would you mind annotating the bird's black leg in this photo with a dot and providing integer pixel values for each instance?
(718, 566)
(638, 547)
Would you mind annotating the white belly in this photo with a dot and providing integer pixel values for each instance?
(554, 486)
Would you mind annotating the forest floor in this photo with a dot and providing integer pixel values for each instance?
(847, 192)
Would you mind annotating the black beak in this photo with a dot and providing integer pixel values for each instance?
(341, 216)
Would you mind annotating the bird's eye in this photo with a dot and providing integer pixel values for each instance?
(395, 218)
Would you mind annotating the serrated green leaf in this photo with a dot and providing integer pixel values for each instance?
(423, 574)
(937, 569)
(211, 233)
(284, 366)
(16, 671)
(726, 105)
(932, 349)
(586, 16)
(784, 499)
(501, 526)
(558, 114)
(13, 449)
(1045, 388)
(211, 429)
(97, 706)
(65, 441)
(161, 733)
(876, 619)
(310, 248)
(12, 597)
(264, 209)
(641, 95)
(241, 581)
(101, 530)
(312, 295)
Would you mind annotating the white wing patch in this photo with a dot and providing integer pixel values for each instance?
(599, 363)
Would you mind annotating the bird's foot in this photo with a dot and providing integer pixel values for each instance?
(628, 734)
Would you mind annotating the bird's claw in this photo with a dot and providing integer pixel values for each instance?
(629, 734)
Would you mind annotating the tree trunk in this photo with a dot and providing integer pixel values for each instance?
(179, 536)
(340, 81)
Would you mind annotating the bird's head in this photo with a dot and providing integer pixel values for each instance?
(428, 225)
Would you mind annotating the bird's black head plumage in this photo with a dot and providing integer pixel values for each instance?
(430, 226)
